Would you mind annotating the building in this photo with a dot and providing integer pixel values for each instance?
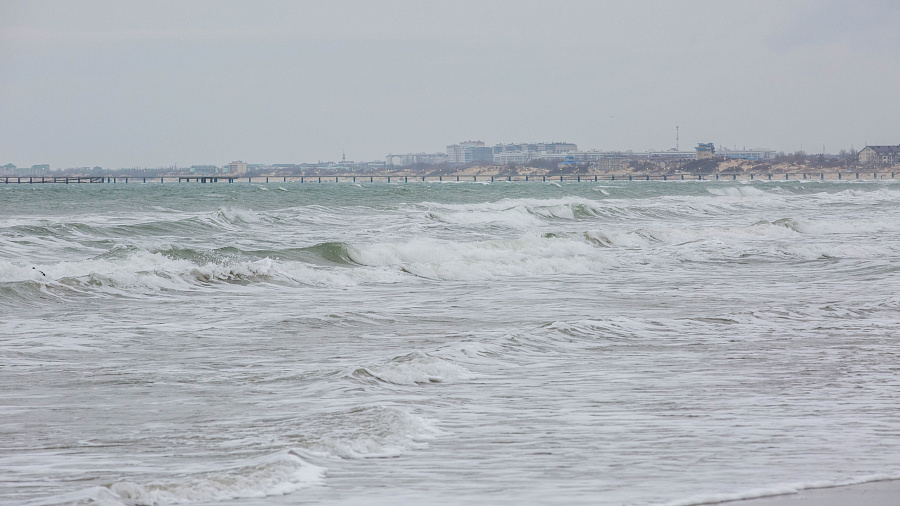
(468, 152)
(408, 159)
(34, 170)
(526, 152)
(748, 154)
(705, 150)
(237, 167)
(204, 169)
(880, 155)
(568, 162)
(671, 154)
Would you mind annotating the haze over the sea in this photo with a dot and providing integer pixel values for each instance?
(123, 84)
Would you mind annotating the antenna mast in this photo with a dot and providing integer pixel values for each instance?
(676, 139)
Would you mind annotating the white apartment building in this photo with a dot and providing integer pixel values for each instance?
(747, 154)
(468, 152)
(238, 167)
(525, 152)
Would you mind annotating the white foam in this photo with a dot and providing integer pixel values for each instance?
(140, 271)
(419, 368)
(517, 217)
(232, 215)
(738, 191)
(279, 474)
(561, 208)
(527, 255)
(371, 432)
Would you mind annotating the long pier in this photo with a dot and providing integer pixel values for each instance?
(42, 180)
(372, 178)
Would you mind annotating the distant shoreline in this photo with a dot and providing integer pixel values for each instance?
(410, 178)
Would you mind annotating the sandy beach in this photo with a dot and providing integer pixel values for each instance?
(876, 493)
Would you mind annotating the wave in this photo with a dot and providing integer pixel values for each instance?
(831, 227)
(364, 433)
(357, 433)
(527, 255)
(737, 191)
(158, 223)
(130, 269)
(517, 217)
(127, 268)
(415, 369)
(518, 213)
(279, 474)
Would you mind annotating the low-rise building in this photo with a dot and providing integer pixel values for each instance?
(672, 154)
(705, 150)
(748, 154)
(880, 155)
(34, 170)
(204, 169)
(408, 159)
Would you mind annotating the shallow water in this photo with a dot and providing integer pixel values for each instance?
(457, 343)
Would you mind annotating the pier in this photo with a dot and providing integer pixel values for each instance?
(373, 178)
(43, 180)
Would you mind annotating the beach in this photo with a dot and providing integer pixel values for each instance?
(877, 493)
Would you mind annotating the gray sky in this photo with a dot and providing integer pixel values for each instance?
(157, 83)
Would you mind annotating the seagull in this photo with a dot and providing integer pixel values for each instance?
(42, 272)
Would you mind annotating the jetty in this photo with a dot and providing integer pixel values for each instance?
(393, 178)
(42, 180)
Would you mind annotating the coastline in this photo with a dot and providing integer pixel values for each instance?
(481, 178)
(873, 493)
(877, 490)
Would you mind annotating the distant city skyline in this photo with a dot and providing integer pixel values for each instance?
(120, 84)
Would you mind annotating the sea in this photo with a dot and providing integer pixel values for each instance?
(447, 343)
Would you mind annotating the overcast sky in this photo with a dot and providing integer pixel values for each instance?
(122, 84)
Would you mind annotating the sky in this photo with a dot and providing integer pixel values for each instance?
(158, 83)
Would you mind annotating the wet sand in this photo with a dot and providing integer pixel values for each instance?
(877, 493)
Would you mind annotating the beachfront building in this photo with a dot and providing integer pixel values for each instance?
(880, 155)
(469, 152)
(526, 152)
(408, 159)
(237, 167)
(204, 169)
(670, 154)
(34, 170)
(748, 154)
(705, 150)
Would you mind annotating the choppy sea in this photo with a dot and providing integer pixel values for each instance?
(521, 343)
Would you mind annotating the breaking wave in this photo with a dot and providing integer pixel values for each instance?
(364, 433)
(414, 369)
(279, 474)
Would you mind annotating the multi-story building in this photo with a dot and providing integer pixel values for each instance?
(880, 155)
(524, 153)
(748, 154)
(468, 152)
(237, 167)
